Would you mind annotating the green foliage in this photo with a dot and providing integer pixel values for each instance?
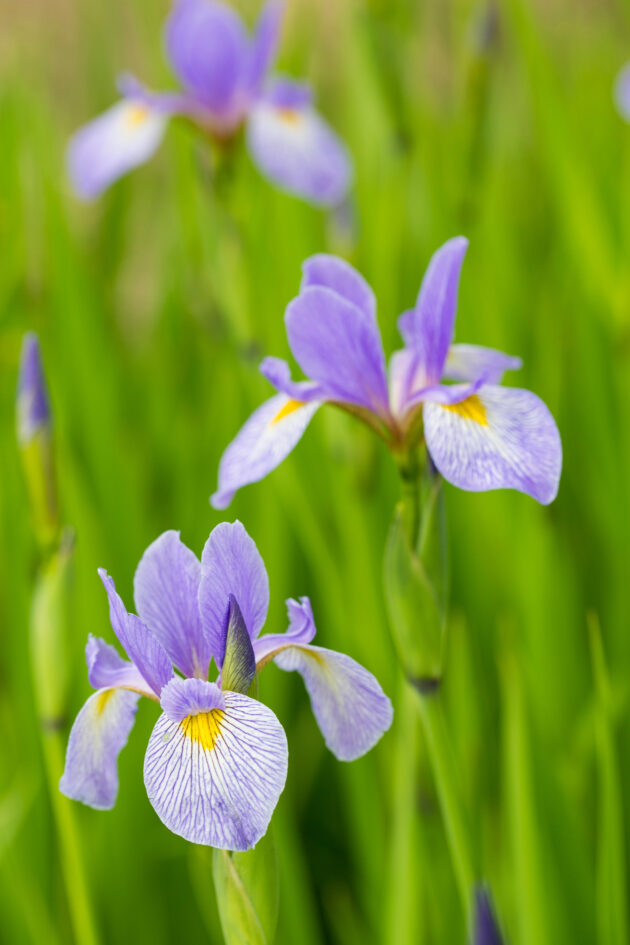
(246, 886)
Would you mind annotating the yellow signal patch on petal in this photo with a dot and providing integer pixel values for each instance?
(289, 115)
(103, 699)
(290, 407)
(470, 409)
(136, 115)
(204, 728)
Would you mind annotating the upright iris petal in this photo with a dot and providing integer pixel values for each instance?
(216, 765)
(265, 44)
(33, 407)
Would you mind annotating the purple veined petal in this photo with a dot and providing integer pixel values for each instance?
(264, 44)
(301, 630)
(621, 92)
(33, 406)
(278, 373)
(123, 137)
(166, 588)
(269, 435)
(231, 565)
(337, 274)
(348, 703)
(500, 438)
(445, 394)
(142, 647)
(99, 734)
(339, 347)
(238, 663)
(406, 375)
(295, 149)
(469, 362)
(209, 50)
(430, 329)
(214, 774)
(107, 669)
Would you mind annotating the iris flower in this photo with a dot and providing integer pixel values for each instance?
(225, 85)
(216, 762)
(479, 435)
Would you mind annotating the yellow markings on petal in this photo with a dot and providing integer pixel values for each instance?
(204, 728)
(289, 115)
(470, 409)
(103, 699)
(136, 115)
(290, 407)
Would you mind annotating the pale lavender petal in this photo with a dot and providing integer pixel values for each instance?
(123, 137)
(621, 92)
(339, 346)
(142, 647)
(269, 435)
(167, 103)
(288, 93)
(99, 734)
(209, 50)
(166, 586)
(349, 705)
(337, 274)
(32, 405)
(265, 43)
(107, 669)
(301, 630)
(278, 373)
(470, 362)
(298, 151)
(430, 329)
(500, 438)
(231, 565)
(447, 394)
(214, 776)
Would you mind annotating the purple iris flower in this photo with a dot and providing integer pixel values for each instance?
(486, 929)
(33, 407)
(479, 435)
(216, 762)
(224, 77)
(621, 92)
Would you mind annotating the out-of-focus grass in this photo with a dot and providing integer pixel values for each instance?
(154, 307)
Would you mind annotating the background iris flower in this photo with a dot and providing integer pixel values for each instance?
(479, 435)
(224, 77)
(216, 762)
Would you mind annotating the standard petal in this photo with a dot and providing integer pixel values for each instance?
(107, 669)
(166, 587)
(144, 649)
(214, 775)
(470, 362)
(430, 329)
(500, 438)
(267, 438)
(265, 43)
(337, 274)
(301, 630)
(99, 734)
(338, 346)
(231, 565)
(298, 151)
(351, 709)
(208, 48)
(123, 137)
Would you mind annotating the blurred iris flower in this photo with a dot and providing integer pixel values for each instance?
(216, 762)
(479, 435)
(225, 85)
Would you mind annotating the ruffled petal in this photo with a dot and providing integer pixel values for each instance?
(338, 346)
(215, 765)
(335, 273)
(231, 565)
(348, 703)
(209, 50)
(301, 630)
(99, 734)
(269, 435)
(166, 585)
(500, 438)
(123, 137)
(138, 642)
(107, 669)
(294, 148)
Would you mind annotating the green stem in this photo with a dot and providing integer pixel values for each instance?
(445, 774)
(71, 860)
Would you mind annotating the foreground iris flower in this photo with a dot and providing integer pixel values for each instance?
(479, 435)
(216, 762)
(224, 77)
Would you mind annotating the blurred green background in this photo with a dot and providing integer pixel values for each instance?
(154, 306)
